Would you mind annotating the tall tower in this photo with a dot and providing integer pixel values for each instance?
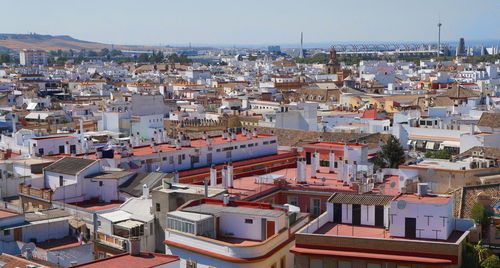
(439, 39)
(461, 48)
(301, 52)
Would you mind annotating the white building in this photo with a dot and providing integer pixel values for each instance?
(223, 233)
(33, 57)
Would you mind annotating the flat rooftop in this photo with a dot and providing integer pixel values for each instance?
(340, 229)
(96, 206)
(442, 164)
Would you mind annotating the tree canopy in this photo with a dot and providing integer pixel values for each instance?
(392, 154)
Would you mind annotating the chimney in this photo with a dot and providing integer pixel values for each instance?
(331, 162)
(301, 168)
(213, 176)
(226, 199)
(135, 246)
(13, 124)
(205, 183)
(145, 191)
(66, 147)
(313, 166)
(317, 160)
(81, 130)
(233, 136)
(230, 175)
(176, 176)
(254, 133)
(355, 170)
(224, 134)
(33, 150)
(204, 135)
(345, 175)
(340, 169)
(224, 176)
(177, 144)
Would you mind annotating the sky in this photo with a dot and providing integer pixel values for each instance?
(266, 22)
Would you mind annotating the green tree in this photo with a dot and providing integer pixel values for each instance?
(5, 58)
(115, 52)
(491, 262)
(481, 214)
(392, 154)
(441, 154)
(104, 52)
(143, 58)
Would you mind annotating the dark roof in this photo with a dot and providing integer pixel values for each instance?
(489, 120)
(109, 175)
(361, 199)
(133, 186)
(69, 165)
(459, 92)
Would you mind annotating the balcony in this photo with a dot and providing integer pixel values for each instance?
(234, 247)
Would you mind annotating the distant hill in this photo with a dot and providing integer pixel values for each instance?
(18, 42)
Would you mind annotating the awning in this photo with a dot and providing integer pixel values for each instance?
(430, 145)
(36, 116)
(420, 144)
(129, 224)
(451, 144)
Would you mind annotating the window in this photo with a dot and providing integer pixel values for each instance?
(61, 181)
(345, 264)
(179, 159)
(98, 223)
(293, 200)
(249, 221)
(283, 262)
(250, 145)
(164, 158)
(6, 232)
(157, 206)
(316, 209)
(191, 263)
(218, 150)
(273, 141)
(101, 255)
(100, 183)
(228, 154)
(171, 159)
(243, 146)
(40, 151)
(266, 143)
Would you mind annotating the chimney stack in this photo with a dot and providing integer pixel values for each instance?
(301, 170)
(135, 246)
(313, 166)
(224, 177)
(13, 123)
(226, 199)
(145, 191)
(331, 162)
(66, 148)
(213, 176)
(230, 175)
(254, 133)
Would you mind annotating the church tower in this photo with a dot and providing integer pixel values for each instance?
(332, 67)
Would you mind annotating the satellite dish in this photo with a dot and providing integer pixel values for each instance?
(401, 204)
(393, 184)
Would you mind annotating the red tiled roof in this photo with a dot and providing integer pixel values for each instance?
(370, 114)
(127, 260)
(424, 199)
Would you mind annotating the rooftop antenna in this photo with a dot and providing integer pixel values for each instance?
(439, 36)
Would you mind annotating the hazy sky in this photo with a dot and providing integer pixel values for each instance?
(235, 22)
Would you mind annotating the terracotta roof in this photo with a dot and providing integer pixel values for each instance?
(481, 151)
(489, 120)
(459, 92)
(127, 260)
(14, 261)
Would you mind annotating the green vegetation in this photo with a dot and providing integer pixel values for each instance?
(174, 58)
(441, 154)
(481, 214)
(478, 256)
(6, 58)
(392, 154)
